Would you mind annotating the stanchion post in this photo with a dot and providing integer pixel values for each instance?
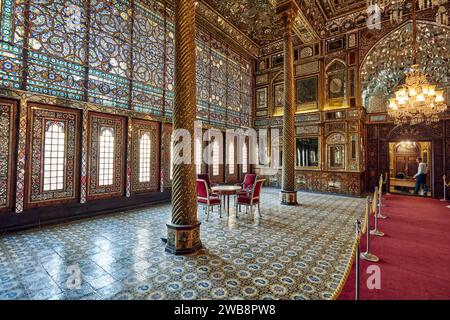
(375, 208)
(367, 255)
(444, 178)
(357, 267)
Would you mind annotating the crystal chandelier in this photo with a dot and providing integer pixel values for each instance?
(417, 100)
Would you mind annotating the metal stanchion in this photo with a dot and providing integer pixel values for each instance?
(444, 178)
(357, 267)
(382, 182)
(367, 255)
(378, 214)
(375, 208)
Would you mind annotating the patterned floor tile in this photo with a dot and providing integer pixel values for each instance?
(287, 253)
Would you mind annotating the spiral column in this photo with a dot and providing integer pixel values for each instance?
(183, 231)
(288, 194)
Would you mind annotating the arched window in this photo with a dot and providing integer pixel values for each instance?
(215, 159)
(106, 157)
(198, 155)
(231, 157)
(54, 156)
(144, 158)
(244, 158)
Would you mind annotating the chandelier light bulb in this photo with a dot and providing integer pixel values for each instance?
(432, 90)
(412, 92)
(440, 96)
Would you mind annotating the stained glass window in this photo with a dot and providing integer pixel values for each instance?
(231, 157)
(144, 158)
(106, 157)
(118, 53)
(54, 156)
(198, 156)
(215, 158)
(244, 158)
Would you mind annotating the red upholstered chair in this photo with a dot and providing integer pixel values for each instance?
(252, 199)
(205, 176)
(206, 199)
(247, 184)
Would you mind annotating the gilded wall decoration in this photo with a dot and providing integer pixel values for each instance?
(334, 126)
(278, 98)
(307, 68)
(306, 52)
(48, 151)
(336, 85)
(145, 162)
(98, 125)
(261, 98)
(262, 78)
(306, 130)
(307, 93)
(7, 137)
(310, 117)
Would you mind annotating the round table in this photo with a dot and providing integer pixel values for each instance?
(226, 191)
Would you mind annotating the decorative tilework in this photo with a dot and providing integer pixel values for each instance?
(288, 253)
(21, 151)
(6, 137)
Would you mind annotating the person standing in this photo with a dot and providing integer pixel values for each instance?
(421, 177)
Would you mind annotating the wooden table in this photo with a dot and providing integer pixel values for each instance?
(226, 191)
(408, 183)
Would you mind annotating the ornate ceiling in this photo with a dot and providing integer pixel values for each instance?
(255, 18)
(336, 8)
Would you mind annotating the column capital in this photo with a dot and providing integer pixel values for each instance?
(287, 10)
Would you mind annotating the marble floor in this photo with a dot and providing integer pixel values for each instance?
(288, 253)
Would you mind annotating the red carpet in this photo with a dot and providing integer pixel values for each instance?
(414, 253)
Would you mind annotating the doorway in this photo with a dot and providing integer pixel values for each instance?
(403, 166)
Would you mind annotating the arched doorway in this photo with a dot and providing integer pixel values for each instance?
(403, 165)
(381, 69)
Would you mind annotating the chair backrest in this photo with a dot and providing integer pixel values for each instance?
(205, 176)
(257, 188)
(202, 189)
(249, 180)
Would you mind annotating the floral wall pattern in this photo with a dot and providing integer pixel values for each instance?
(6, 124)
(117, 53)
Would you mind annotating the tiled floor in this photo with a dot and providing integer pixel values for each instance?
(289, 253)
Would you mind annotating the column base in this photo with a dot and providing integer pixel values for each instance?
(183, 239)
(288, 198)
